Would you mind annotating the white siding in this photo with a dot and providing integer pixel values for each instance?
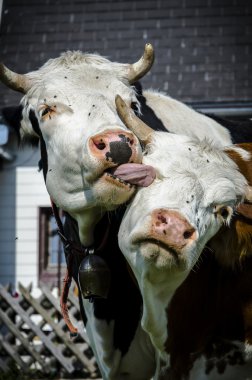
(7, 226)
(30, 195)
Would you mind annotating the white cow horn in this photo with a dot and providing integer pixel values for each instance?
(137, 126)
(248, 194)
(17, 82)
(140, 68)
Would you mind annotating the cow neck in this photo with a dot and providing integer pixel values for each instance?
(77, 247)
(73, 249)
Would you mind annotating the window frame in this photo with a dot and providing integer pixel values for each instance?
(49, 275)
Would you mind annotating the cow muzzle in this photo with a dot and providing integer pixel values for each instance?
(172, 229)
(115, 147)
(168, 240)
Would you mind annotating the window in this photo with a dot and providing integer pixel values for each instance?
(51, 254)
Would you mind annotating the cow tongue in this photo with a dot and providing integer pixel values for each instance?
(136, 174)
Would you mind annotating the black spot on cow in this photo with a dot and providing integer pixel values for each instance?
(239, 129)
(35, 125)
(220, 353)
(120, 151)
(147, 115)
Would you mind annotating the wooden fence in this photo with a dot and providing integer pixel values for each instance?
(34, 338)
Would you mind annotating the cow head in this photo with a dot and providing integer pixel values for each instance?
(69, 106)
(167, 224)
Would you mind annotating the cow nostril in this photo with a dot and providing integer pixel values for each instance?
(161, 218)
(188, 233)
(131, 142)
(100, 145)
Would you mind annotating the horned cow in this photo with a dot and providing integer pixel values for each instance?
(190, 316)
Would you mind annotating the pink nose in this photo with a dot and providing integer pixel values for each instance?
(171, 228)
(118, 147)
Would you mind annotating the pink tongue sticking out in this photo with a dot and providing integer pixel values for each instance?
(136, 174)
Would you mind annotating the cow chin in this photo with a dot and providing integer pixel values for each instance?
(111, 191)
(164, 257)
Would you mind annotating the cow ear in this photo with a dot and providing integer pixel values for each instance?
(13, 117)
(242, 155)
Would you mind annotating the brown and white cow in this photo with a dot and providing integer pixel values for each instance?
(197, 203)
(214, 340)
(163, 232)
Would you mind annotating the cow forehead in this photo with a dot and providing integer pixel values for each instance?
(166, 148)
(75, 75)
(188, 166)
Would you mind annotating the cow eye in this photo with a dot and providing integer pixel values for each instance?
(46, 112)
(225, 212)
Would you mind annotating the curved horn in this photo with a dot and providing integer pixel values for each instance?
(137, 126)
(248, 194)
(140, 68)
(17, 82)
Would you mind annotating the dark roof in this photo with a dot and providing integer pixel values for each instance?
(203, 47)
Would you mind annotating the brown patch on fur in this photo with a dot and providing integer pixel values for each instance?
(247, 314)
(209, 311)
(245, 209)
(244, 166)
(233, 243)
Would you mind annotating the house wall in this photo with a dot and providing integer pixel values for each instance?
(30, 195)
(7, 226)
(203, 48)
(22, 191)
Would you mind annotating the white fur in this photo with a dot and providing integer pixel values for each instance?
(136, 364)
(181, 119)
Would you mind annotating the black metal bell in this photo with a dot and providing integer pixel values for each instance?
(94, 277)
